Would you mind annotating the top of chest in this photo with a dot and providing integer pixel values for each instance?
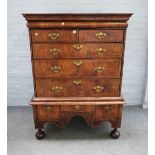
(93, 20)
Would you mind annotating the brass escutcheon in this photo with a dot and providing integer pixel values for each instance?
(77, 62)
(77, 107)
(98, 88)
(101, 35)
(76, 82)
(56, 69)
(48, 108)
(100, 51)
(57, 89)
(53, 35)
(55, 51)
(77, 46)
(107, 107)
(99, 69)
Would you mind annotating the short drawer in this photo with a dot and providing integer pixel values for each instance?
(101, 35)
(77, 108)
(54, 35)
(77, 87)
(47, 112)
(106, 112)
(80, 50)
(109, 68)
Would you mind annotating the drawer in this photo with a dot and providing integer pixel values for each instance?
(82, 50)
(109, 68)
(77, 87)
(47, 113)
(77, 108)
(101, 35)
(54, 35)
(106, 112)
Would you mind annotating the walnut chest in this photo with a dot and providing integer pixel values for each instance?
(77, 64)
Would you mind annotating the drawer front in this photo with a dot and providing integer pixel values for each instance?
(85, 50)
(54, 35)
(101, 35)
(109, 68)
(106, 112)
(48, 113)
(77, 87)
(77, 108)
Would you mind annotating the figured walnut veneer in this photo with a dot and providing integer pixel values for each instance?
(77, 64)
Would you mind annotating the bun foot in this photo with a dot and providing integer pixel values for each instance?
(40, 134)
(115, 134)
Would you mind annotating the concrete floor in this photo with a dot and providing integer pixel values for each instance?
(77, 138)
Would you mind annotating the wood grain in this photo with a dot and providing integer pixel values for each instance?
(77, 66)
(111, 35)
(48, 115)
(69, 89)
(112, 17)
(64, 35)
(111, 68)
(102, 114)
(88, 50)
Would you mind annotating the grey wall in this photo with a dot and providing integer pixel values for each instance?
(20, 88)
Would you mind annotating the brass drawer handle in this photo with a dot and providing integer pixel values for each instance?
(55, 51)
(57, 89)
(100, 51)
(48, 108)
(77, 63)
(53, 35)
(98, 88)
(76, 82)
(101, 35)
(107, 107)
(77, 107)
(77, 46)
(56, 69)
(99, 69)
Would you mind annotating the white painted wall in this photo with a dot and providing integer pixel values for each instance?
(20, 88)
